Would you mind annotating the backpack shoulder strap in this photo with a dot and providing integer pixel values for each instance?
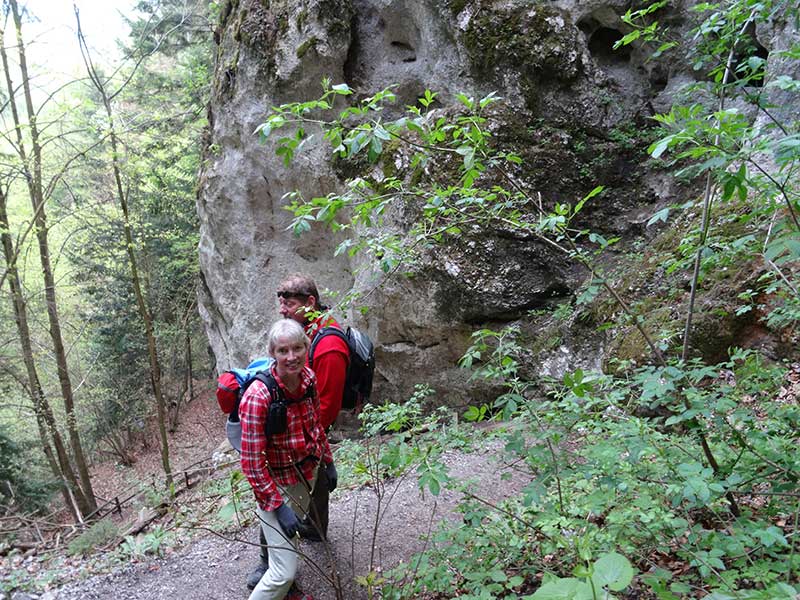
(323, 333)
(275, 392)
(268, 380)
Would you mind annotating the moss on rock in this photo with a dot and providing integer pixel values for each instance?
(456, 6)
(306, 46)
(258, 27)
(537, 41)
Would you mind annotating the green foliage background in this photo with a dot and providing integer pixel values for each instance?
(161, 109)
(672, 473)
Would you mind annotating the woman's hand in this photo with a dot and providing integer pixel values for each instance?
(332, 475)
(287, 520)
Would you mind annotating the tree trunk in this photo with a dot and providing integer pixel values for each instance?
(186, 385)
(59, 463)
(144, 313)
(70, 491)
(189, 371)
(84, 495)
(152, 350)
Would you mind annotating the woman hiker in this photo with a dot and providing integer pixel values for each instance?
(283, 446)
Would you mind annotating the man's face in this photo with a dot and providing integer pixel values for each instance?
(296, 307)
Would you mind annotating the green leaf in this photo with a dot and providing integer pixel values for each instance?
(381, 133)
(588, 294)
(587, 197)
(468, 152)
(680, 588)
(534, 492)
(781, 246)
(264, 130)
(487, 100)
(787, 149)
(415, 125)
(498, 576)
(793, 246)
(614, 571)
(561, 589)
(433, 486)
(342, 89)
(427, 99)
(658, 148)
(474, 413)
(785, 82)
(596, 238)
(387, 264)
(771, 536)
(375, 149)
(301, 226)
(227, 512)
(628, 39)
(466, 101)
(663, 48)
(661, 215)
(582, 571)
(782, 591)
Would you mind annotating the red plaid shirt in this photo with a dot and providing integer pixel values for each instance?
(280, 458)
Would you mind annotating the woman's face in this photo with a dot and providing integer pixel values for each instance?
(290, 357)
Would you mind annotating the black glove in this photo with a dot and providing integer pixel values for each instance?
(333, 476)
(288, 520)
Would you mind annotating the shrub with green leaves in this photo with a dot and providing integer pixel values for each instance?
(19, 488)
(150, 543)
(676, 457)
(98, 535)
(237, 491)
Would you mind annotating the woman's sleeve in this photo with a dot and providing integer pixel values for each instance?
(253, 414)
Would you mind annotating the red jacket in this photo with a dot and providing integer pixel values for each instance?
(331, 358)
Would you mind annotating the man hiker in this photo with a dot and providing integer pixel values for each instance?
(298, 299)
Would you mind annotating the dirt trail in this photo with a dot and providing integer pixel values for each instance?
(211, 568)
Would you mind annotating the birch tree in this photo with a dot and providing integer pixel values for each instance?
(28, 146)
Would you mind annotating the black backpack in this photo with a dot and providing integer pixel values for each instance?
(229, 395)
(358, 382)
(276, 417)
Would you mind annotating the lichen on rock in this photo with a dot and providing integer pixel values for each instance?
(536, 41)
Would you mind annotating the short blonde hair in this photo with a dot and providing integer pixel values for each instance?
(286, 329)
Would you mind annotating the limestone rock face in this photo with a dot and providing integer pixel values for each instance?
(268, 53)
(576, 111)
(548, 60)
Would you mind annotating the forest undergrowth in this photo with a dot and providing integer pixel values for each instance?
(47, 551)
(608, 492)
(673, 472)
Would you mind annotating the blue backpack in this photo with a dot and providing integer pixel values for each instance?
(231, 386)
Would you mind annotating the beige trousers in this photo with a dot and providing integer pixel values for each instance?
(283, 557)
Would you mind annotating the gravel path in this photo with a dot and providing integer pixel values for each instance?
(212, 568)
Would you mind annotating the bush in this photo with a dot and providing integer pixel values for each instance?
(97, 535)
(17, 487)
